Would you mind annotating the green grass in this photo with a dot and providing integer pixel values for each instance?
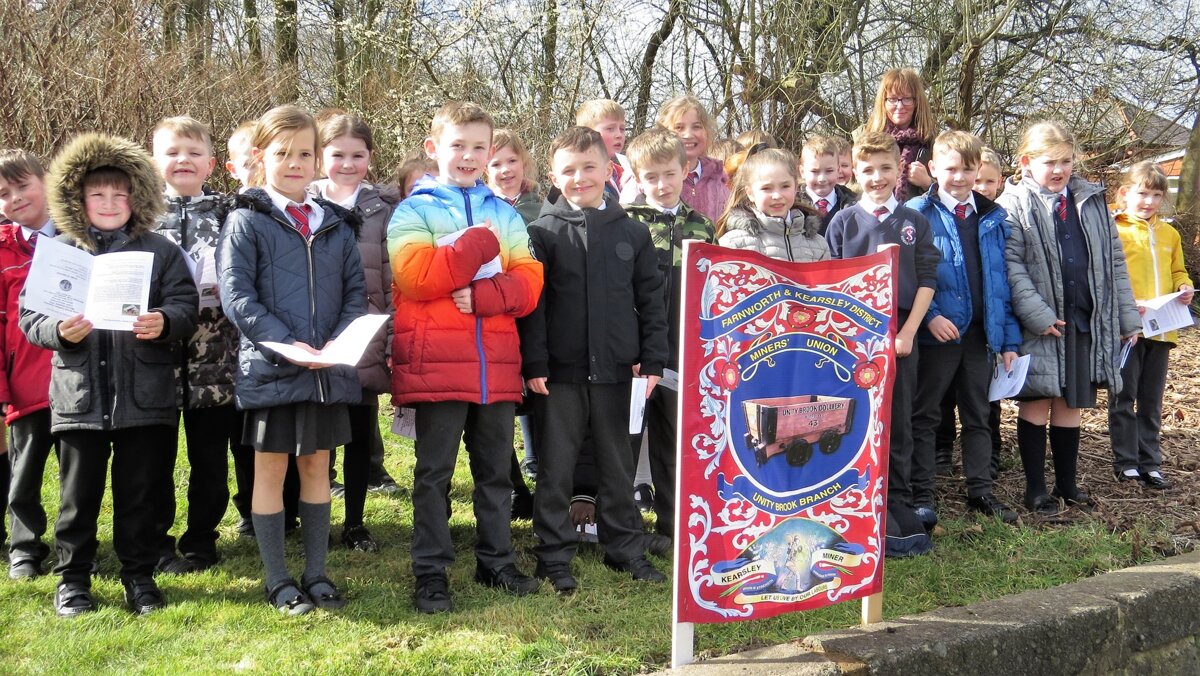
(218, 622)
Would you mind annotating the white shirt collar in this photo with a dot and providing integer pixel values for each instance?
(865, 202)
(950, 201)
(674, 211)
(324, 184)
(47, 230)
(576, 207)
(698, 169)
(831, 198)
(316, 216)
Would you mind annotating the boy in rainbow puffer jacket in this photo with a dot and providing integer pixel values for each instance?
(455, 351)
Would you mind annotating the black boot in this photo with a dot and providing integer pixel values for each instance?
(1031, 440)
(1064, 447)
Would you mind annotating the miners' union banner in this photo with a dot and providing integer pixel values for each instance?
(785, 390)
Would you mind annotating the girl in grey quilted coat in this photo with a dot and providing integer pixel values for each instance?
(763, 214)
(1071, 293)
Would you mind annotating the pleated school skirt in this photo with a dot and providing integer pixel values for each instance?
(299, 429)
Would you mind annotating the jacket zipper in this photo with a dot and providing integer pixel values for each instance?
(787, 239)
(183, 368)
(312, 295)
(1154, 259)
(483, 388)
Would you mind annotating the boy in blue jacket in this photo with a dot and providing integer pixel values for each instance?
(969, 321)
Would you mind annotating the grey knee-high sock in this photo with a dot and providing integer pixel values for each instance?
(314, 522)
(268, 530)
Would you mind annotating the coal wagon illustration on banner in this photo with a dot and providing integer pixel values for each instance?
(791, 426)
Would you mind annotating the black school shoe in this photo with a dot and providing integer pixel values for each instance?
(432, 594)
(559, 575)
(73, 598)
(358, 538)
(24, 569)
(988, 505)
(1042, 505)
(385, 485)
(1077, 499)
(323, 593)
(288, 598)
(638, 568)
(1155, 480)
(507, 577)
(1123, 476)
(245, 528)
(143, 596)
(178, 565)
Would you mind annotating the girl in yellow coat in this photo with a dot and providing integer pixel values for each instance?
(1154, 257)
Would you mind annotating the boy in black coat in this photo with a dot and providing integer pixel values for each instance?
(600, 321)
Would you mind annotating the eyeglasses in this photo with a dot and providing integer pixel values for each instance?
(905, 101)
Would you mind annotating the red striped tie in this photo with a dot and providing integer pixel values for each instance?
(299, 214)
(881, 212)
(823, 206)
(1060, 208)
(33, 238)
(960, 210)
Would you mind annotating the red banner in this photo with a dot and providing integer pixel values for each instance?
(785, 391)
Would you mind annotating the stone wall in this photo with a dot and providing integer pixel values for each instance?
(1141, 620)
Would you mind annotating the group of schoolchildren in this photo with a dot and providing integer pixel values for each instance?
(505, 303)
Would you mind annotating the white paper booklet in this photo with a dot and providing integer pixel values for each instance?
(637, 404)
(1163, 314)
(207, 281)
(110, 290)
(346, 350)
(404, 423)
(488, 269)
(1007, 384)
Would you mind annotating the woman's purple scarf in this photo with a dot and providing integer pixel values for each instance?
(911, 144)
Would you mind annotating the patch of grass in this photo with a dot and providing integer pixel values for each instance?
(217, 621)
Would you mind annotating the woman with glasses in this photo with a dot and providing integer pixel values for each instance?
(902, 111)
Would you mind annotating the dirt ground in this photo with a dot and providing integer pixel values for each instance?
(1125, 506)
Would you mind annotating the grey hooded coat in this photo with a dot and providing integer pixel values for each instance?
(1035, 275)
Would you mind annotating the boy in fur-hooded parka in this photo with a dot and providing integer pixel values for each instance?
(113, 391)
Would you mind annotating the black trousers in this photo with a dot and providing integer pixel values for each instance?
(947, 432)
(356, 458)
(659, 427)
(209, 433)
(966, 368)
(29, 447)
(568, 415)
(487, 430)
(1136, 435)
(140, 466)
(899, 490)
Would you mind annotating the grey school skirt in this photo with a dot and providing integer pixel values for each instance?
(1080, 391)
(298, 429)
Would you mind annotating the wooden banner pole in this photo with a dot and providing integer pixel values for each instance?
(872, 609)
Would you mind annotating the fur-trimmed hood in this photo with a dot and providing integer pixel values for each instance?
(88, 152)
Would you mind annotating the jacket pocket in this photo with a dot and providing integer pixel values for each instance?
(153, 378)
(70, 383)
